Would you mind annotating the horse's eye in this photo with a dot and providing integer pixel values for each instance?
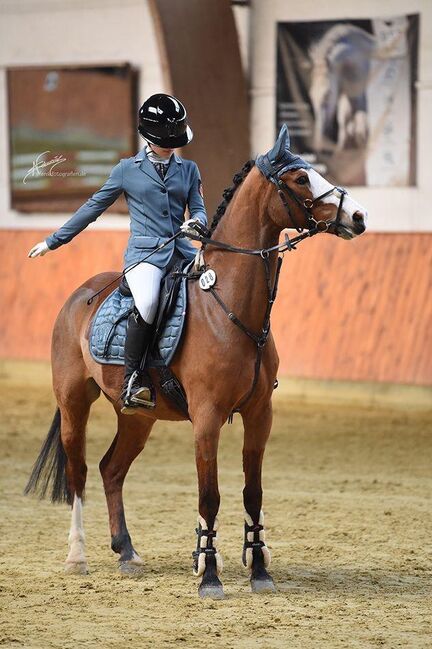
(302, 180)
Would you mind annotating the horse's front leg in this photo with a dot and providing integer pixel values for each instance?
(207, 560)
(256, 555)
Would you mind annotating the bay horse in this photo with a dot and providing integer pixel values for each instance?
(222, 363)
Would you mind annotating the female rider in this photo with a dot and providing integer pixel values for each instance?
(158, 185)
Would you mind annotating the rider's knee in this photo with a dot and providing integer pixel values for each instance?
(146, 310)
(137, 316)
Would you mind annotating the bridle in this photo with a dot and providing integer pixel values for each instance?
(273, 173)
(308, 204)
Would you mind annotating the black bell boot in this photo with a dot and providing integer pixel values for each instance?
(137, 386)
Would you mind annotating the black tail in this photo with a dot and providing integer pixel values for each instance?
(50, 467)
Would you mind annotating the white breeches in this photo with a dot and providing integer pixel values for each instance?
(144, 282)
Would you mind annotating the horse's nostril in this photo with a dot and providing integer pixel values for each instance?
(358, 217)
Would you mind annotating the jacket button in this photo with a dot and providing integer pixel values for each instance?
(163, 190)
(165, 212)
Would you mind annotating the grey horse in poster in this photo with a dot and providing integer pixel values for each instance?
(340, 72)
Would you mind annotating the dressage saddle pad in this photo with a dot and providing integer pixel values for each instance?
(108, 330)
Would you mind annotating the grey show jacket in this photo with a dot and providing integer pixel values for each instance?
(156, 207)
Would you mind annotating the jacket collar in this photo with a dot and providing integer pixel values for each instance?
(147, 167)
(139, 157)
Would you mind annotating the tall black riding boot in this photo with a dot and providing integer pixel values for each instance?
(137, 387)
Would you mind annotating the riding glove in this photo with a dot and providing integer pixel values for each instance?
(39, 249)
(194, 227)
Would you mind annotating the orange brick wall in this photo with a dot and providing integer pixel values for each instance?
(358, 310)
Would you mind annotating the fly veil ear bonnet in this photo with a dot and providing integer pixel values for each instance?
(280, 159)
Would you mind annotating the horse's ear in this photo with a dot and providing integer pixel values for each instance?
(281, 145)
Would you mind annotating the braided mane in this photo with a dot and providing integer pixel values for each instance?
(229, 192)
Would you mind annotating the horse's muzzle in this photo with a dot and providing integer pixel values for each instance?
(359, 223)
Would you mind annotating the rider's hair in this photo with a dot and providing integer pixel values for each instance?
(229, 192)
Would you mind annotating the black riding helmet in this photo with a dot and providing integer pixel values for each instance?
(162, 121)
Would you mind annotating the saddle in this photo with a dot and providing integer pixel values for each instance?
(169, 294)
(108, 329)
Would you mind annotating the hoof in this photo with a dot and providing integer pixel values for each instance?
(131, 568)
(211, 586)
(213, 591)
(76, 568)
(263, 585)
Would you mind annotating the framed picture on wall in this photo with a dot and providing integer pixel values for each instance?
(346, 89)
(68, 127)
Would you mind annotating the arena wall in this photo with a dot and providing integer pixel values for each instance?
(357, 310)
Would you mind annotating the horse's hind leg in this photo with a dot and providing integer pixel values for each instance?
(74, 398)
(130, 440)
(256, 555)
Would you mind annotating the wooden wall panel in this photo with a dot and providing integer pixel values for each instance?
(201, 57)
(34, 290)
(348, 310)
(358, 310)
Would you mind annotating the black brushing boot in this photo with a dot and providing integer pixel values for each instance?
(137, 386)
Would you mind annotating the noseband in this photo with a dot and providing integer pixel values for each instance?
(307, 206)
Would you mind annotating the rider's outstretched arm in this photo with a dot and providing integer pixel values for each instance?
(87, 213)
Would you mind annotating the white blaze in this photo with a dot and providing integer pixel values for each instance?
(320, 185)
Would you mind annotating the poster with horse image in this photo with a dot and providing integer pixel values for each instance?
(346, 90)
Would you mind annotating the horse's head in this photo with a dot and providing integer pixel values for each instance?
(303, 198)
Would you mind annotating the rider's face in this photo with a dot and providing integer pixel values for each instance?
(164, 153)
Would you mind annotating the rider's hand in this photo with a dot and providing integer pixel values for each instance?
(39, 249)
(194, 227)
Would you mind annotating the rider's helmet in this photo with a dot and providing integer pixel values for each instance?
(162, 121)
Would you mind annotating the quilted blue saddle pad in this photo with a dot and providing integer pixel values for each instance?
(108, 330)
